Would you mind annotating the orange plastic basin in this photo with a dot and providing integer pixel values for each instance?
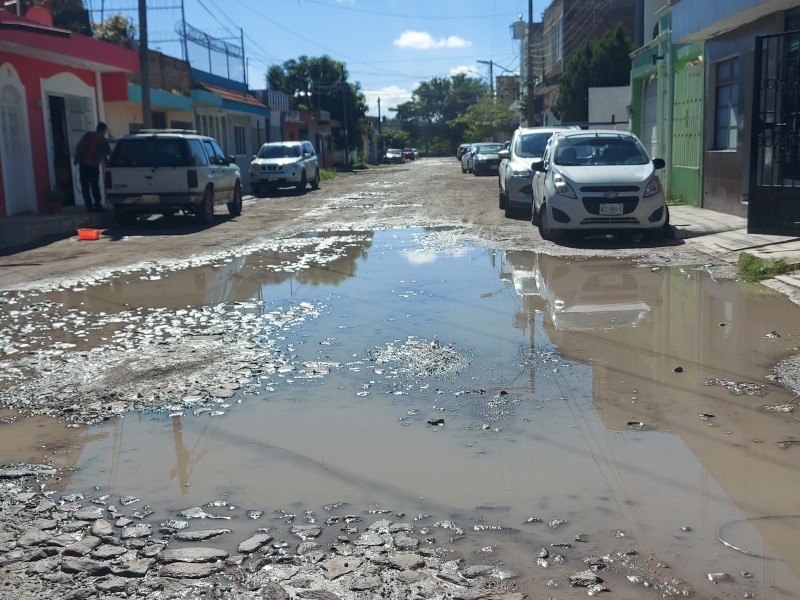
(88, 234)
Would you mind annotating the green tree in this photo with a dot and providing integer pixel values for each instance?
(117, 29)
(488, 120)
(320, 83)
(598, 63)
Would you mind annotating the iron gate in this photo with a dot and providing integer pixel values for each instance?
(774, 203)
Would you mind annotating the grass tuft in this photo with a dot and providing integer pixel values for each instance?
(751, 268)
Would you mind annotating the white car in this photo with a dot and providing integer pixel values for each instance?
(284, 164)
(514, 174)
(164, 171)
(597, 181)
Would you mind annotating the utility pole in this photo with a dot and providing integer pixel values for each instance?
(144, 61)
(491, 76)
(529, 50)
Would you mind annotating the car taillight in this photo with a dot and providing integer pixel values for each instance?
(191, 178)
(108, 180)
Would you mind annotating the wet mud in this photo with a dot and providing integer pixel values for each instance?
(542, 415)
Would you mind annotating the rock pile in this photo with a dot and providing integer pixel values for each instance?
(69, 548)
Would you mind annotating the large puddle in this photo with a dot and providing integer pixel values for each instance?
(508, 401)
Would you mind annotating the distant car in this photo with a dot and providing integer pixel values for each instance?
(514, 173)
(416, 153)
(163, 171)
(597, 181)
(283, 165)
(394, 156)
(486, 159)
(466, 155)
(460, 151)
(408, 153)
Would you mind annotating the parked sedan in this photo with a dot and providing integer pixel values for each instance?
(408, 153)
(394, 156)
(597, 181)
(485, 159)
(514, 173)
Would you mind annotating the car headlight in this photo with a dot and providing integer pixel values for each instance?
(653, 188)
(563, 188)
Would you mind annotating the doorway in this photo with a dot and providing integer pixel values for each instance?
(62, 156)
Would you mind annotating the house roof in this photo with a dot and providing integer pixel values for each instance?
(33, 39)
(232, 95)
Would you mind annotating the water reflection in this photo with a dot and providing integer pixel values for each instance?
(669, 350)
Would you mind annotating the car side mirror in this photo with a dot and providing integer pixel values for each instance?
(503, 154)
(658, 163)
(231, 159)
(537, 165)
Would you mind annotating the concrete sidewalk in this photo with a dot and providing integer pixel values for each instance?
(717, 234)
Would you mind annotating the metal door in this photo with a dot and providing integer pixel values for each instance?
(774, 204)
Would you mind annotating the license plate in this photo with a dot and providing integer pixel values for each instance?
(610, 209)
(150, 199)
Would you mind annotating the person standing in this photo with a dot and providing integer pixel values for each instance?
(92, 151)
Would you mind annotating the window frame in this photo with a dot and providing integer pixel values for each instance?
(727, 101)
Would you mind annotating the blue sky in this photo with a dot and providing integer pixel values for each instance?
(389, 46)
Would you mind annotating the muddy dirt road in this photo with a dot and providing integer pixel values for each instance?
(385, 389)
(429, 192)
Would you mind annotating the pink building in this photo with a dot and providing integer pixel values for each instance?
(53, 88)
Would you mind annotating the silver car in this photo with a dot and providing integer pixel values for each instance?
(284, 164)
(514, 174)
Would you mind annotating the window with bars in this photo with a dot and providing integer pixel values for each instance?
(238, 139)
(726, 116)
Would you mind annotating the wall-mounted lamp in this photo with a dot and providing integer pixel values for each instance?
(696, 61)
(656, 57)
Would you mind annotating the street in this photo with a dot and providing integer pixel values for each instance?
(385, 388)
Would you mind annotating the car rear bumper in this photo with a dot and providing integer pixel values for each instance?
(154, 202)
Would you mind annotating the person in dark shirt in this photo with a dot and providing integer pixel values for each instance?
(91, 152)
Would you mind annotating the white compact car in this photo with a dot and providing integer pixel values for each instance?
(515, 174)
(284, 164)
(597, 181)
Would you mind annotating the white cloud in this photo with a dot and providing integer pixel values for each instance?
(390, 97)
(422, 40)
(469, 70)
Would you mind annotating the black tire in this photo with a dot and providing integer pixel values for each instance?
(534, 215)
(510, 211)
(463, 168)
(235, 205)
(301, 187)
(315, 181)
(545, 230)
(205, 212)
(501, 198)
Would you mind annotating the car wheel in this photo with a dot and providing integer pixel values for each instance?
(302, 185)
(235, 205)
(315, 181)
(547, 232)
(463, 168)
(206, 211)
(501, 198)
(534, 215)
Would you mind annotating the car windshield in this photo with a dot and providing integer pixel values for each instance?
(531, 145)
(489, 148)
(279, 151)
(393, 151)
(600, 151)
